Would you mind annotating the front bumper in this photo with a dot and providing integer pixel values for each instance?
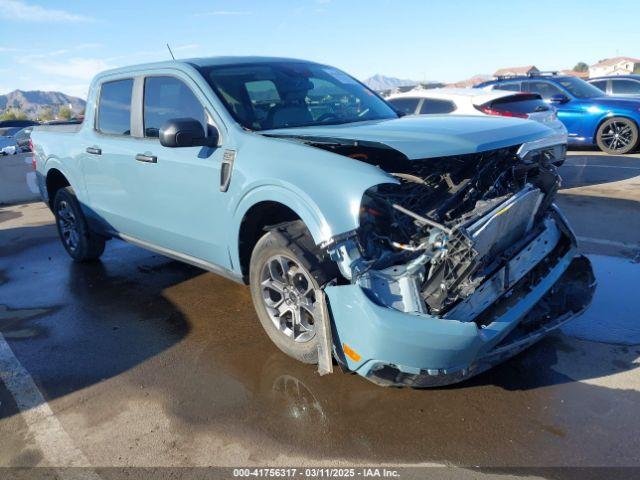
(390, 347)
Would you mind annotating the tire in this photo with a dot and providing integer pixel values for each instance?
(285, 273)
(78, 240)
(617, 136)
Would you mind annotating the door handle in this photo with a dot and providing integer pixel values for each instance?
(141, 157)
(94, 150)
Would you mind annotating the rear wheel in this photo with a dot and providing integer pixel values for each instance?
(78, 240)
(617, 136)
(286, 273)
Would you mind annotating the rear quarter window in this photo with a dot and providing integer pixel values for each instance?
(436, 106)
(114, 108)
(521, 103)
(601, 84)
(510, 86)
(405, 105)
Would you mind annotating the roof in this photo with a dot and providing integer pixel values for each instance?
(223, 61)
(514, 70)
(615, 60)
(475, 95)
(635, 76)
(551, 78)
(204, 62)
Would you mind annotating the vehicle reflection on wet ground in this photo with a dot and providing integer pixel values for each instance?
(146, 361)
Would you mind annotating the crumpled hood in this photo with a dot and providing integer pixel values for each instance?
(420, 137)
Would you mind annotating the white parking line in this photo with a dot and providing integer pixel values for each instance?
(599, 166)
(54, 442)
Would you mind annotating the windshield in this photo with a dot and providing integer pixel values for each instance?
(293, 94)
(579, 88)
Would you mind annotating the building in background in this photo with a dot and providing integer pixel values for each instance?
(513, 71)
(574, 73)
(615, 66)
(470, 82)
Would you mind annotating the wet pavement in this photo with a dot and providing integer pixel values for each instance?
(145, 361)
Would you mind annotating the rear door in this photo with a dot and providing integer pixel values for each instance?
(177, 190)
(105, 158)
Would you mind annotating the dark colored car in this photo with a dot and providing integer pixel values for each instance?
(618, 85)
(22, 139)
(8, 140)
(591, 117)
(18, 123)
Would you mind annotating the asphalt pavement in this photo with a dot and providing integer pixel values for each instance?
(139, 360)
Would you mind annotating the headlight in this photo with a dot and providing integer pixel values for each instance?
(552, 154)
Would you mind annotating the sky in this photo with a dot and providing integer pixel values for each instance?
(60, 45)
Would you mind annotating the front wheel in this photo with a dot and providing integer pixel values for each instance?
(286, 273)
(78, 240)
(617, 136)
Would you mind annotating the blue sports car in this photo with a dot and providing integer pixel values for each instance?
(591, 117)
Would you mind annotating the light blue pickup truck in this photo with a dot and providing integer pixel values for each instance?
(415, 251)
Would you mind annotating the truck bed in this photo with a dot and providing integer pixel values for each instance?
(63, 128)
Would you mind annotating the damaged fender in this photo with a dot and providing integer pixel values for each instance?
(324, 189)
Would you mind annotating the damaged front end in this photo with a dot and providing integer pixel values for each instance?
(460, 263)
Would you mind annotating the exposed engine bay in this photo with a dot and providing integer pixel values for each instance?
(429, 240)
(456, 216)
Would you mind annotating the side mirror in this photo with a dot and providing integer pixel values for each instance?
(559, 98)
(186, 132)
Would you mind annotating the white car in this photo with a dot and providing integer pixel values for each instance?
(475, 101)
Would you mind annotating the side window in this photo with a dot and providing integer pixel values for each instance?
(510, 86)
(625, 87)
(434, 106)
(405, 105)
(545, 89)
(114, 107)
(166, 98)
(601, 84)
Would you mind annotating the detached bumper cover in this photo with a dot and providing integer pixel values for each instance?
(390, 347)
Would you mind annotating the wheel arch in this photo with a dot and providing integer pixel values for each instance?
(54, 181)
(263, 208)
(609, 117)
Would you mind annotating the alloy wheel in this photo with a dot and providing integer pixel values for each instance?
(290, 298)
(617, 135)
(68, 225)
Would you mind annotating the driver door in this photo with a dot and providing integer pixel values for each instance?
(177, 190)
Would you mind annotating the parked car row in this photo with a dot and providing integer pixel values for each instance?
(602, 111)
(470, 101)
